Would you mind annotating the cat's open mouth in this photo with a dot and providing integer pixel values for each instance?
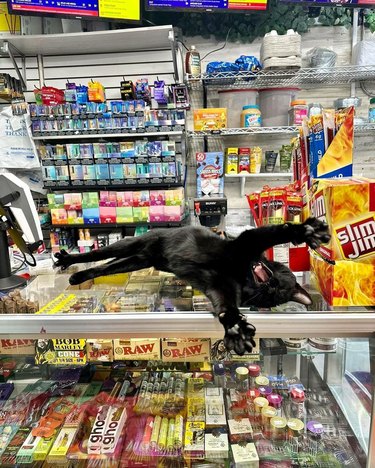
(261, 273)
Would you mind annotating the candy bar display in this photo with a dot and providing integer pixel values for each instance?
(255, 160)
(143, 162)
(109, 207)
(132, 116)
(157, 414)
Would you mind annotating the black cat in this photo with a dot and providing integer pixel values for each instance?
(230, 272)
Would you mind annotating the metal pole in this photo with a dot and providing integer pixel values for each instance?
(8, 48)
(39, 59)
(354, 42)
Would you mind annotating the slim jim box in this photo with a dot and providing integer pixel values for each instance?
(348, 207)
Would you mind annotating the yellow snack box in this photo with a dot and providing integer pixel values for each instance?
(210, 119)
(348, 206)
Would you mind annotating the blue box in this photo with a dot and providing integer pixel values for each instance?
(91, 216)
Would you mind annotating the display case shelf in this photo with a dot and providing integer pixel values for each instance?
(93, 188)
(262, 175)
(226, 132)
(304, 77)
(165, 224)
(82, 136)
(184, 324)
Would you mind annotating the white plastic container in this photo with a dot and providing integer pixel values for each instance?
(274, 105)
(234, 100)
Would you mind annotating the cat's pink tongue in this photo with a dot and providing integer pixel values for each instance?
(261, 273)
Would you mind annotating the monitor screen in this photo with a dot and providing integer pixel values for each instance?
(234, 6)
(335, 3)
(119, 10)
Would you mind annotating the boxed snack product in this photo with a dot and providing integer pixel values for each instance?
(185, 349)
(194, 439)
(210, 119)
(348, 206)
(210, 173)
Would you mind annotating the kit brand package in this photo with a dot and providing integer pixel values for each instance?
(348, 206)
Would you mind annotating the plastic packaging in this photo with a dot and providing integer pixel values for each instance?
(220, 67)
(251, 117)
(255, 160)
(371, 111)
(285, 158)
(274, 105)
(248, 63)
(271, 157)
(234, 100)
(193, 62)
(297, 112)
(320, 57)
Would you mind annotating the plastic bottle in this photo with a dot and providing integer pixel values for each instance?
(219, 374)
(193, 62)
(371, 111)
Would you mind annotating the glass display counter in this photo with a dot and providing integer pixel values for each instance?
(88, 381)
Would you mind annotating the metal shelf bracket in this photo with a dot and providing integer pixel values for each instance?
(11, 51)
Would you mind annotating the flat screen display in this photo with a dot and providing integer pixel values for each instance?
(120, 10)
(235, 6)
(333, 3)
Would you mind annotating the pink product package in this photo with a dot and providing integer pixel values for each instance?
(107, 199)
(124, 199)
(157, 213)
(107, 215)
(141, 198)
(173, 213)
(157, 197)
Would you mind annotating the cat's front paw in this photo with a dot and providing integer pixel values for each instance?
(78, 278)
(63, 260)
(313, 231)
(240, 337)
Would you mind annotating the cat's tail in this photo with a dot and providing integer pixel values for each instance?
(121, 249)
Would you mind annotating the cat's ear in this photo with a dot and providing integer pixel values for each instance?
(301, 295)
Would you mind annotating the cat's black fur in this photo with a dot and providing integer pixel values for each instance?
(230, 272)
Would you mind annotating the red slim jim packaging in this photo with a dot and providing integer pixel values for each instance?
(263, 206)
(293, 207)
(276, 206)
(253, 200)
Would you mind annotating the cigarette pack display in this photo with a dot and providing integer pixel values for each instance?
(124, 215)
(90, 200)
(107, 215)
(90, 216)
(157, 214)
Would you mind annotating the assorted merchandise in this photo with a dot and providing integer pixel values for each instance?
(250, 160)
(181, 412)
(14, 303)
(275, 104)
(234, 100)
(279, 205)
(103, 118)
(130, 163)
(345, 266)
(117, 207)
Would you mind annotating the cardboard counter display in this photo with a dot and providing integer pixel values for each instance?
(348, 206)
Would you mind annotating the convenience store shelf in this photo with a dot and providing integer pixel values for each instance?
(164, 224)
(93, 188)
(304, 77)
(261, 175)
(121, 40)
(81, 136)
(197, 324)
(287, 130)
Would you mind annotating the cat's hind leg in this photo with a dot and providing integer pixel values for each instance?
(133, 263)
(239, 333)
(123, 248)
